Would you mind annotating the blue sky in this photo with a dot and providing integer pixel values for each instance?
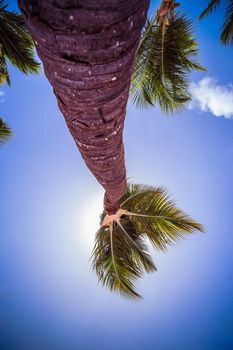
(49, 207)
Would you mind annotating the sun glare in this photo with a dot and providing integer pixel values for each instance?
(91, 219)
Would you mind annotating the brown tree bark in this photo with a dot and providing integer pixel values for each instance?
(88, 48)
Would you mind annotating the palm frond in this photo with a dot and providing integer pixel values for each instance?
(120, 255)
(139, 249)
(4, 75)
(213, 4)
(113, 262)
(5, 132)
(16, 43)
(157, 217)
(165, 57)
(226, 36)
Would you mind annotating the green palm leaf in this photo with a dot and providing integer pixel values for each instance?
(156, 216)
(226, 36)
(213, 4)
(5, 132)
(166, 55)
(16, 43)
(4, 75)
(120, 255)
(113, 262)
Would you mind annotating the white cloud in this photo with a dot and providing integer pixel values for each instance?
(1, 93)
(209, 96)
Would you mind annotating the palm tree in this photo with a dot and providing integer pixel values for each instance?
(88, 52)
(166, 55)
(120, 255)
(226, 35)
(5, 132)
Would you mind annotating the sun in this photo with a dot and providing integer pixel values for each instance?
(91, 219)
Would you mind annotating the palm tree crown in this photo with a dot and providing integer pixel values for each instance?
(120, 255)
(166, 54)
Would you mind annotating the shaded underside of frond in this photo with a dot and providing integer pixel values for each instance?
(4, 75)
(213, 4)
(16, 43)
(165, 57)
(120, 257)
(5, 132)
(112, 261)
(226, 35)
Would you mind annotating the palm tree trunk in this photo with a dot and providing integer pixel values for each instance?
(88, 48)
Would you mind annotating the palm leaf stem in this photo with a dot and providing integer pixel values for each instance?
(127, 199)
(172, 8)
(147, 216)
(126, 212)
(162, 49)
(162, 61)
(155, 18)
(125, 232)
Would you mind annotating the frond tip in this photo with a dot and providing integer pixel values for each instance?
(120, 255)
(5, 132)
(213, 4)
